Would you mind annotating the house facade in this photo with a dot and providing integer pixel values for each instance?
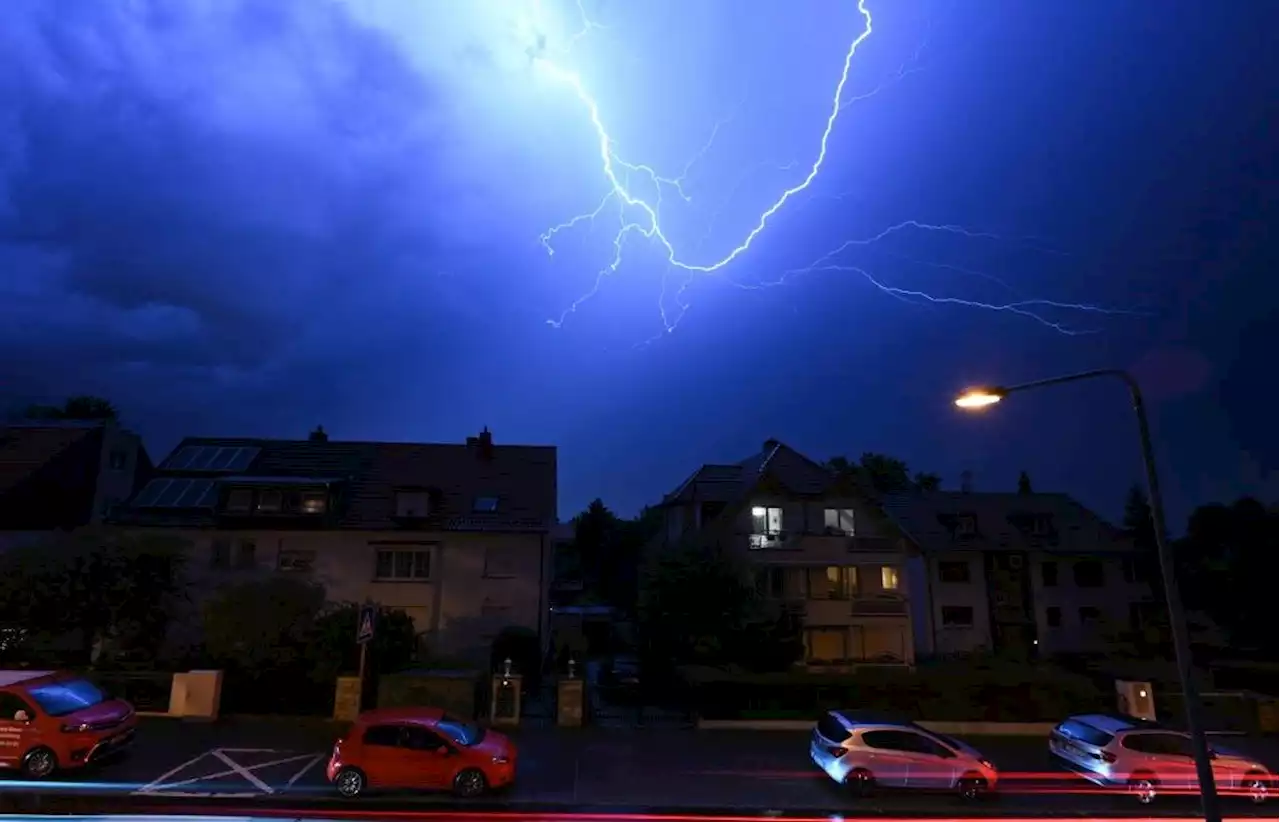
(65, 474)
(458, 536)
(814, 543)
(1024, 574)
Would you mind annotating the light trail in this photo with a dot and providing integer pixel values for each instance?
(639, 214)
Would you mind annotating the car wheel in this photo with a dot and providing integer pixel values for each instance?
(469, 783)
(971, 787)
(860, 782)
(39, 763)
(1143, 787)
(350, 782)
(1256, 788)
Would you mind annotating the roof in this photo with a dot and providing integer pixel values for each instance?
(15, 677)
(1116, 723)
(408, 714)
(25, 448)
(368, 476)
(728, 483)
(1003, 521)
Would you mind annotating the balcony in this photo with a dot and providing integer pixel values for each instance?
(884, 605)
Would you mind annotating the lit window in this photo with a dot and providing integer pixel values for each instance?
(889, 578)
(766, 520)
(833, 582)
(402, 565)
(838, 521)
(313, 502)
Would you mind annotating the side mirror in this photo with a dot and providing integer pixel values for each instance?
(21, 716)
(444, 750)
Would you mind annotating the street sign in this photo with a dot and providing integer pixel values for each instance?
(364, 630)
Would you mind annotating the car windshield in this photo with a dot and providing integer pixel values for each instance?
(62, 698)
(463, 733)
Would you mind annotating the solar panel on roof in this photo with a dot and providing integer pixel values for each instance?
(243, 458)
(183, 457)
(225, 457)
(201, 461)
(209, 498)
(195, 491)
(147, 497)
(171, 494)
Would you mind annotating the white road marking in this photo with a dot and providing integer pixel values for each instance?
(233, 769)
(305, 768)
(160, 779)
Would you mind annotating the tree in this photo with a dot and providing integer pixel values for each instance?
(609, 548)
(83, 407)
(97, 585)
(1137, 521)
(927, 482)
(883, 474)
(263, 624)
(1024, 483)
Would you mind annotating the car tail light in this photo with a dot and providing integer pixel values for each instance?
(986, 763)
(836, 751)
(1107, 756)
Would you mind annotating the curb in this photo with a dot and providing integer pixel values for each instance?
(955, 728)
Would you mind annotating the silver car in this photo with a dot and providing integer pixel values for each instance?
(1147, 758)
(866, 751)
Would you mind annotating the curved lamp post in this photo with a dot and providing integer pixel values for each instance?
(983, 397)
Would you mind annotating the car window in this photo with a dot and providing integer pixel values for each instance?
(890, 741)
(10, 704)
(66, 697)
(1157, 744)
(463, 733)
(925, 745)
(832, 728)
(386, 736)
(1075, 729)
(420, 739)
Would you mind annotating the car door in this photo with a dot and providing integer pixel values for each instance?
(428, 759)
(932, 766)
(888, 756)
(380, 756)
(1166, 755)
(16, 735)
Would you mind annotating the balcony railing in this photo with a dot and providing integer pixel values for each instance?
(797, 539)
(879, 606)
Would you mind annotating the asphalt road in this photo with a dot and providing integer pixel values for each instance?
(177, 766)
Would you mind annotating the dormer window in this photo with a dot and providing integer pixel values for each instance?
(270, 501)
(966, 525)
(240, 500)
(413, 504)
(485, 504)
(1041, 525)
(314, 502)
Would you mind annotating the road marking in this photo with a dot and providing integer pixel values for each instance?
(245, 772)
(240, 769)
(233, 769)
(305, 768)
(170, 773)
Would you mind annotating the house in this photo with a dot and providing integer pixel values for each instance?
(1020, 573)
(458, 536)
(813, 541)
(64, 474)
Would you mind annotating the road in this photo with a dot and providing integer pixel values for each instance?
(178, 766)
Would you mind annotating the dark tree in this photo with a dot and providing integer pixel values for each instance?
(927, 482)
(608, 550)
(883, 474)
(331, 649)
(1024, 483)
(1137, 520)
(263, 624)
(75, 408)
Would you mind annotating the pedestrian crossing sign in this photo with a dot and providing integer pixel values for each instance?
(364, 631)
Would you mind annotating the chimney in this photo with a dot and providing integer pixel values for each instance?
(966, 481)
(770, 444)
(482, 444)
(318, 435)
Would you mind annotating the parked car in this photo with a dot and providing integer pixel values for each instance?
(420, 748)
(1147, 758)
(866, 751)
(52, 720)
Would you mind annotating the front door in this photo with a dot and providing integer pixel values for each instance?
(890, 757)
(16, 735)
(428, 760)
(933, 766)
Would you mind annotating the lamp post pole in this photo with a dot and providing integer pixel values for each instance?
(1168, 574)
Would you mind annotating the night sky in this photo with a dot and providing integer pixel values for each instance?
(249, 218)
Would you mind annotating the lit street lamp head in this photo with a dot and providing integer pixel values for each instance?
(974, 398)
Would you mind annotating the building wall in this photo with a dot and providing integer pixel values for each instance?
(935, 597)
(477, 583)
(120, 460)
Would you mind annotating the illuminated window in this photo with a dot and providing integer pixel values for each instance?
(889, 578)
(313, 502)
(766, 520)
(833, 582)
(838, 521)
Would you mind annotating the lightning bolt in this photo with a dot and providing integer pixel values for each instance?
(635, 192)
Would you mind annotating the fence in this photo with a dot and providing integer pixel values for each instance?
(1240, 712)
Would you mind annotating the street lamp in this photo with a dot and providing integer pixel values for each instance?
(985, 396)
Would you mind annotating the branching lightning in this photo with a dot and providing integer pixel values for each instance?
(635, 192)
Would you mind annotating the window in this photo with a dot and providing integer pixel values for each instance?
(10, 704)
(407, 564)
(838, 521)
(905, 742)
(417, 738)
(485, 504)
(1158, 744)
(384, 736)
(270, 501)
(953, 571)
(463, 733)
(825, 644)
(295, 560)
(1088, 573)
(833, 582)
(314, 502)
(247, 554)
(1049, 574)
(1090, 616)
(240, 500)
(777, 582)
(1074, 729)
(889, 578)
(966, 525)
(832, 728)
(957, 616)
(62, 698)
(499, 562)
(1041, 525)
(766, 520)
(220, 554)
(413, 504)
(117, 460)
(1053, 616)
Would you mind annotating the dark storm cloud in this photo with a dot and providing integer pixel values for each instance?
(192, 192)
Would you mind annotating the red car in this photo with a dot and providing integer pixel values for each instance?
(52, 720)
(421, 748)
